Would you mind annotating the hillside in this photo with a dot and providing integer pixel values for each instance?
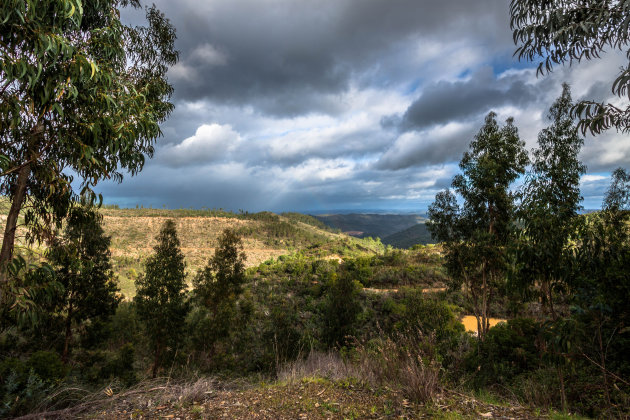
(265, 235)
(416, 234)
(374, 225)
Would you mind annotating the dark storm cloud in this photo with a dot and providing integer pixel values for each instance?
(286, 57)
(236, 187)
(300, 105)
(460, 100)
(428, 147)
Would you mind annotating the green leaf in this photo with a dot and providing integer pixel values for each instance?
(72, 10)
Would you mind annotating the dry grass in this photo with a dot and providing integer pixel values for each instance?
(156, 392)
(328, 365)
(133, 233)
(404, 362)
(135, 238)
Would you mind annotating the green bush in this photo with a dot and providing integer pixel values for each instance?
(121, 366)
(508, 350)
(47, 365)
(431, 316)
(23, 385)
(341, 309)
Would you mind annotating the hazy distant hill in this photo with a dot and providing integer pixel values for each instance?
(374, 225)
(417, 234)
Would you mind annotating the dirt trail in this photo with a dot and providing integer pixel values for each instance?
(386, 291)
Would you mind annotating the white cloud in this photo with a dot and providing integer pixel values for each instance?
(592, 178)
(182, 72)
(210, 143)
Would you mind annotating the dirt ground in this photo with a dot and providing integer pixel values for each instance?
(310, 398)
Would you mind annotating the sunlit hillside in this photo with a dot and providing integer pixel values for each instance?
(265, 235)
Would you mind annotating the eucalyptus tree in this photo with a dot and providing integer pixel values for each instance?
(80, 93)
(84, 269)
(475, 234)
(222, 279)
(551, 201)
(217, 288)
(561, 31)
(160, 298)
(617, 197)
(602, 284)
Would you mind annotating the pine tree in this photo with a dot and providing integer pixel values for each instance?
(161, 294)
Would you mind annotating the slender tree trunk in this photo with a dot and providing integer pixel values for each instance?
(16, 205)
(554, 315)
(8, 241)
(547, 298)
(563, 395)
(484, 304)
(485, 287)
(66, 345)
(156, 360)
(602, 362)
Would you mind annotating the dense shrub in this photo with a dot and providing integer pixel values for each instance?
(404, 361)
(341, 309)
(431, 317)
(508, 350)
(24, 384)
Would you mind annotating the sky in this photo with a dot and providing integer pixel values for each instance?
(327, 105)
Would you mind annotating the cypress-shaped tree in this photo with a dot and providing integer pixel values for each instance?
(161, 294)
(216, 289)
(222, 279)
(82, 264)
(341, 308)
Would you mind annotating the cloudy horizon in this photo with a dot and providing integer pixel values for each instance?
(287, 105)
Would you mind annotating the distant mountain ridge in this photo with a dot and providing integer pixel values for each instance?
(397, 230)
(417, 234)
(374, 225)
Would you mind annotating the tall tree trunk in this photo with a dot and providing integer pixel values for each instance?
(156, 360)
(602, 362)
(547, 298)
(9, 231)
(563, 395)
(484, 304)
(8, 241)
(66, 345)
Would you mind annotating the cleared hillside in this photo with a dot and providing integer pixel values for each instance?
(265, 235)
